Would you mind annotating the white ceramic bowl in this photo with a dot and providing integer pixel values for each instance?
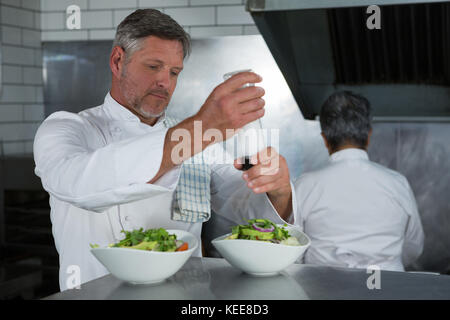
(261, 258)
(145, 267)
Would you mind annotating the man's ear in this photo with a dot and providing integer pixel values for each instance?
(368, 138)
(116, 61)
(325, 140)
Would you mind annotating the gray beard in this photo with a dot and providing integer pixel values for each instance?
(136, 105)
(145, 114)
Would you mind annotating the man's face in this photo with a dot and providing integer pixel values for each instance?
(150, 75)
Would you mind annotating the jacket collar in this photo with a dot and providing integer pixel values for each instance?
(117, 112)
(349, 154)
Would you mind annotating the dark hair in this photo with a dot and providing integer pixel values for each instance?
(345, 119)
(149, 22)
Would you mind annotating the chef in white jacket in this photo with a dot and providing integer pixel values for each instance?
(356, 212)
(113, 167)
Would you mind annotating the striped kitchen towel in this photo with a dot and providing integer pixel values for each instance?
(192, 195)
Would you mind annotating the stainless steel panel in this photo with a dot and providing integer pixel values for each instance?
(277, 5)
(320, 51)
(421, 152)
(213, 57)
(418, 150)
(76, 75)
(216, 279)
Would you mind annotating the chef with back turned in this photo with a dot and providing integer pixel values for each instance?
(356, 212)
(112, 167)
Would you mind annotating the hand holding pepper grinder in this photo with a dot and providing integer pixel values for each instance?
(250, 139)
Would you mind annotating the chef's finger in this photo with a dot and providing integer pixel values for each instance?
(251, 106)
(239, 80)
(265, 156)
(250, 117)
(260, 170)
(268, 154)
(247, 94)
(262, 180)
(238, 164)
(266, 188)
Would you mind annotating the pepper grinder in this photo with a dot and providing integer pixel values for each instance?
(250, 139)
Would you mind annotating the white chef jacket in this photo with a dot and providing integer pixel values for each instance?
(358, 213)
(96, 164)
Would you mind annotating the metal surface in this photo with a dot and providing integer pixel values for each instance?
(1, 64)
(215, 279)
(2, 209)
(304, 45)
(213, 57)
(19, 281)
(277, 5)
(76, 75)
(419, 150)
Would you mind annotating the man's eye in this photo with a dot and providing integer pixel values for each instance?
(153, 67)
(175, 74)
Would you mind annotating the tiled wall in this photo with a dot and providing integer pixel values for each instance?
(21, 99)
(99, 18)
(25, 24)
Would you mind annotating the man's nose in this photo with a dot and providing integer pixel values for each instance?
(163, 79)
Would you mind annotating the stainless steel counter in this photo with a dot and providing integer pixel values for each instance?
(213, 278)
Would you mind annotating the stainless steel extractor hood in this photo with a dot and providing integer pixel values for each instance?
(325, 45)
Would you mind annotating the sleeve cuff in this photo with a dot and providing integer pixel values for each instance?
(291, 219)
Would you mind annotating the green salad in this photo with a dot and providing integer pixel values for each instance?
(263, 230)
(150, 240)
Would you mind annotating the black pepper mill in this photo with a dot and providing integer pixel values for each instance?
(247, 165)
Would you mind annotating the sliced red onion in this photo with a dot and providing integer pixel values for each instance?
(178, 243)
(256, 227)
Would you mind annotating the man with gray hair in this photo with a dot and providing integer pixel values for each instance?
(356, 212)
(116, 167)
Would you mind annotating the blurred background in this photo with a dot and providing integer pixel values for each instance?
(304, 50)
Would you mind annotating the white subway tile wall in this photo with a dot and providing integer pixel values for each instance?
(52, 21)
(214, 2)
(12, 74)
(17, 17)
(233, 15)
(61, 5)
(11, 113)
(11, 35)
(100, 18)
(25, 24)
(199, 32)
(162, 3)
(21, 95)
(118, 16)
(195, 16)
(101, 34)
(112, 4)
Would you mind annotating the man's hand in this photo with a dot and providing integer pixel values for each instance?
(230, 106)
(270, 174)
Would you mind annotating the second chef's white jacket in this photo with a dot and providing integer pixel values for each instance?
(358, 213)
(96, 164)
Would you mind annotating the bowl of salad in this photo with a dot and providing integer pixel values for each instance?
(147, 256)
(261, 247)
